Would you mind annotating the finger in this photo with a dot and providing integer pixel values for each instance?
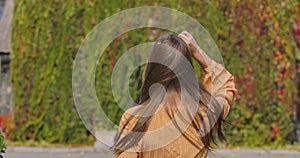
(187, 34)
(182, 36)
(184, 39)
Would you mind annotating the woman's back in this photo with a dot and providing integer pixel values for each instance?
(160, 141)
(164, 125)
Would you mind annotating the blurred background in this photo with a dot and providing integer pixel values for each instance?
(259, 41)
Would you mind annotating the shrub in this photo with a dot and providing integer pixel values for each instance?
(2, 146)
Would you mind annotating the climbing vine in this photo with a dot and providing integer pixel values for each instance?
(254, 37)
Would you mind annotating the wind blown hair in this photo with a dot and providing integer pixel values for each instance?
(162, 74)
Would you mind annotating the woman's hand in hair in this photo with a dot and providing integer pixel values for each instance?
(203, 59)
(190, 41)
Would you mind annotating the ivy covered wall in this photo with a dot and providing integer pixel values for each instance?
(255, 38)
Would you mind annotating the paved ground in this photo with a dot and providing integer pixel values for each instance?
(39, 152)
(31, 152)
(58, 155)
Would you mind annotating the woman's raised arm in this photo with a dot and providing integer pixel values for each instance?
(217, 80)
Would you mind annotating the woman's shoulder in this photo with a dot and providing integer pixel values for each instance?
(131, 114)
(133, 109)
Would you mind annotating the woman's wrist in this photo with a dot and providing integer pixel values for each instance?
(202, 58)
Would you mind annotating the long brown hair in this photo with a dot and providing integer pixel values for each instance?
(167, 76)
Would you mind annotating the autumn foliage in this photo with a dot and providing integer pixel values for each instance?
(256, 39)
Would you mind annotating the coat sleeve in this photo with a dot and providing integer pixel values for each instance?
(220, 83)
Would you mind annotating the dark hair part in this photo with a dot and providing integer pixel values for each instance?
(158, 73)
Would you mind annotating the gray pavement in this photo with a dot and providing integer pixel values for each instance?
(90, 152)
(58, 155)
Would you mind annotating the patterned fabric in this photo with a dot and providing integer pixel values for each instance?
(220, 83)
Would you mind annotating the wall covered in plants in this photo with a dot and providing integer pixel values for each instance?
(255, 38)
